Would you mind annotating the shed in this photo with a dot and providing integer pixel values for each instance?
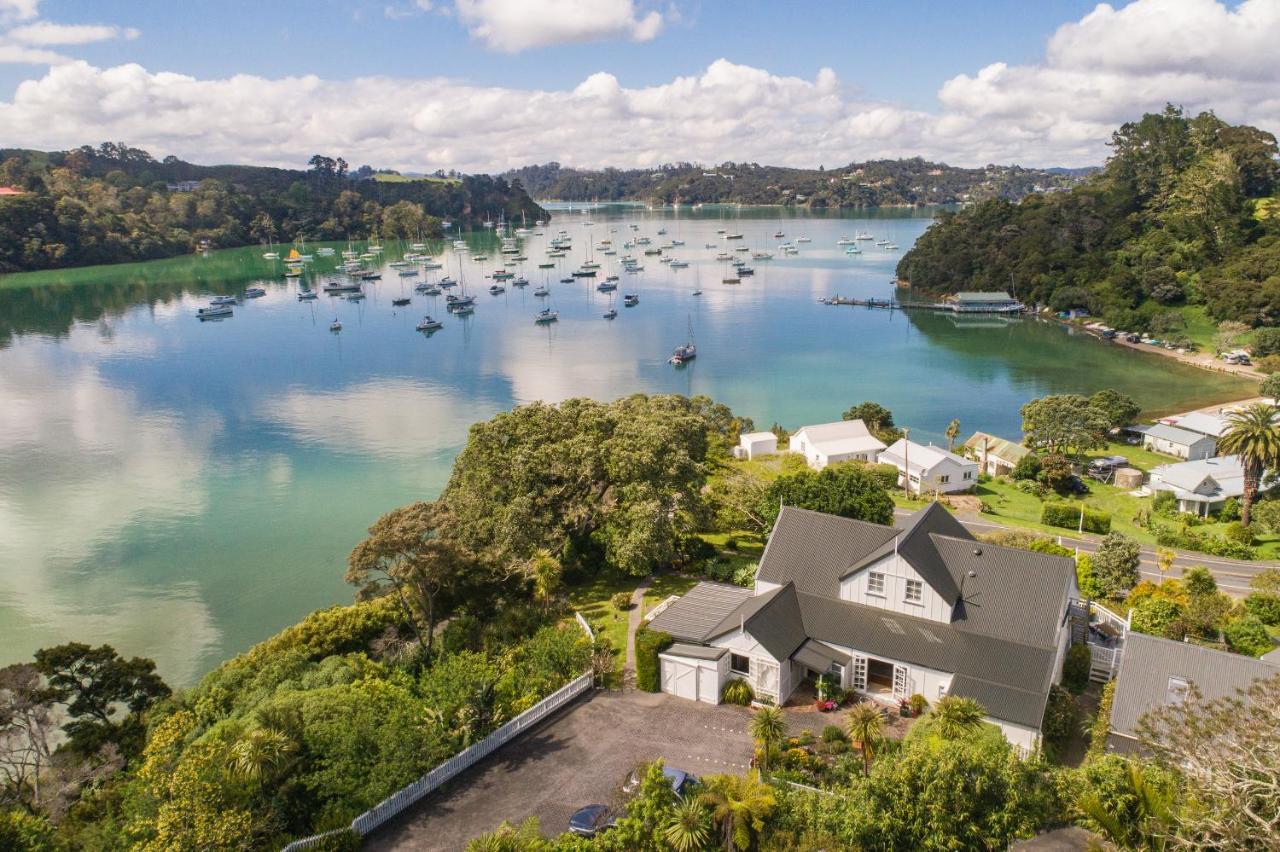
(754, 444)
(1175, 441)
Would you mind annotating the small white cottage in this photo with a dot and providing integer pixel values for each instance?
(755, 444)
(844, 440)
(928, 468)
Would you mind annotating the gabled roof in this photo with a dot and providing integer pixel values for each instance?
(1206, 424)
(998, 447)
(695, 615)
(920, 457)
(842, 436)
(974, 296)
(917, 546)
(1148, 663)
(1226, 471)
(814, 550)
(773, 619)
(1173, 434)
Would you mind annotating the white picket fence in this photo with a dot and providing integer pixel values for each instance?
(402, 799)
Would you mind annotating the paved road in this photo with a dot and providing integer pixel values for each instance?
(1232, 575)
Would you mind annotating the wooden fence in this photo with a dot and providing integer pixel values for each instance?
(401, 800)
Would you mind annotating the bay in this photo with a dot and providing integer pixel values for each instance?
(184, 489)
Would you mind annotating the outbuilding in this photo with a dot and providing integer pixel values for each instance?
(844, 440)
(1176, 441)
(755, 444)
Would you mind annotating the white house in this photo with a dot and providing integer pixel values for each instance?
(1176, 441)
(755, 444)
(923, 469)
(1213, 425)
(922, 608)
(1202, 486)
(844, 440)
(998, 456)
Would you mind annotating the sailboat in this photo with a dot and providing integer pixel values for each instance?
(685, 353)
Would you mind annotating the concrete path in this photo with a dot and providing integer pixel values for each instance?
(634, 620)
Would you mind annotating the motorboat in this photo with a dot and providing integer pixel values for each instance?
(429, 324)
(213, 311)
(307, 295)
(546, 315)
(254, 293)
(612, 313)
(630, 300)
(496, 289)
(401, 302)
(224, 300)
(541, 292)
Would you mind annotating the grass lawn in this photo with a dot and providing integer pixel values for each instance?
(382, 177)
(1142, 459)
(592, 600)
(666, 585)
(1200, 328)
(1011, 506)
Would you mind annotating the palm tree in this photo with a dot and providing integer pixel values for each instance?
(262, 755)
(768, 726)
(1253, 436)
(739, 805)
(866, 726)
(953, 716)
(953, 431)
(1145, 823)
(689, 828)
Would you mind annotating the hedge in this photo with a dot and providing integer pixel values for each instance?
(1075, 668)
(1102, 722)
(649, 644)
(1067, 515)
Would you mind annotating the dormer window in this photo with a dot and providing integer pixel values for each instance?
(1176, 692)
(875, 583)
(914, 592)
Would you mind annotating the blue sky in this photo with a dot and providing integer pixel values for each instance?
(488, 84)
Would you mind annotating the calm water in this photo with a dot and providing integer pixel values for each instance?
(184, 489)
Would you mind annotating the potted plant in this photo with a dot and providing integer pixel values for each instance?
(918, 704)
(904, 708)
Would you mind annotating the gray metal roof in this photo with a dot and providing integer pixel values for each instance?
(1148, 663)
(818, 656)
(1165, 432)
(773, 619)
(814, 550)
(1003, 701)
(918, 548)
(697, 652)
(695, 615)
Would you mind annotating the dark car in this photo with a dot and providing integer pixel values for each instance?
(591, 820)
(680, 780)
(1077, 486)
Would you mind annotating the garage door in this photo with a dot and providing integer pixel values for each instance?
(679, 678)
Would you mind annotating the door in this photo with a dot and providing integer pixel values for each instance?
(859, 674)
(900, 681)
(679, 678)
(708, 685)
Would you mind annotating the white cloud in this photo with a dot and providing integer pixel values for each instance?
(1106, 68)
(515, 25)
(18, 10)
(23, 55)
(45, 33)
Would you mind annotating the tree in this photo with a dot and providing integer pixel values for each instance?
(1115, 564)
(739, 804)
(767, 727)
(403, 220)
(1271, 387)
(1252, 435)
(263, 755)
(26, 727)
(953, 431)
(1056, 471)
(866, 726)
(1223, 751)
(92, 683)
(689, 828)
(1138, 815)
(1228, 335)
(1063, 423)
(412, 548)
(954, 716)
(878, 419)
(847, 489)
(1117, 409)
(1061, 716)
(1164, 559)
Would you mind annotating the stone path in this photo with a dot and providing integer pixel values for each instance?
(634, 616)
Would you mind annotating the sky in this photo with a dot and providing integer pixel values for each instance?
(486, 85)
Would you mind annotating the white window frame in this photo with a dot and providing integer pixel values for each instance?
(918, 587)
(874, 578)
(859, 676)
(745, 672)
(1177, 690)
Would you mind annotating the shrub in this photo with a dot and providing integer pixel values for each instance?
(918, 704)
(1165, 503)
(745, 575)
(730, 543)
(1086, 579)
(1230, 510)
(1247, 635)
(1075, 668)
(1238, 533)
(1266, 514)
(1115, 564)
(1028, 467)
(1067, 515)
(1264, 607)
(1168, 535)
(1101, 728)
(1032, 487)
(1158, 616)
(1061, 716)
(805, 738)
(737, 691)
(649, 644)
(621, 601)
(834, 734)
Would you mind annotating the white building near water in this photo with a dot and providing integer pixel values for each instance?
(924, 469)
(1177, 441)
(755, 444)
(844, 440)
(1202, 486)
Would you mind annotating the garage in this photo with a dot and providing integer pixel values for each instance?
(693, 672)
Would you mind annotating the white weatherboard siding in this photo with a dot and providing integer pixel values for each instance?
(769, 677)
(694, 679)
(1019, 735)
(828, 443)
(931, 468)
(931, 683)
(896, 572)
(755, 444)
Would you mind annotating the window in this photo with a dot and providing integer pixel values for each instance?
(915, 591)
(875, 583)
(837, 672)
(968, 474)
(1177, 690)
(739, 664)
(945, 478)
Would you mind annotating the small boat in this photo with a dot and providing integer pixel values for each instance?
(697, 292)
(584, 273)
(607, 286)
(401, 302)
(546, 315)
(803, 240)
(630, 300)
(612, 313)
(213, 311)
(271, 255)
(408, 273)
(371, 276)
(777, 235)
(429, 324)
(852, 250)
(844, 241)
(447, 282)
(293, 272)
(464, 310)
(357, 296)
(683, 354)
(732, 279)
(733, 236)
(541, 292)
(324, 252)
(709, 245)
(746, 270)
(890, 246)
(546, 266)
(520, 282)
(341, 286)
(566, 280)
(307, 295)
(678, 264)
(254, 293)
(502, 275)
(496, 289)
(224, 300)
(863, 235)
(335, 326)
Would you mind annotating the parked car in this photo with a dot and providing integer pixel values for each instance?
(1077, 486)
(681, 781)
(592, 820)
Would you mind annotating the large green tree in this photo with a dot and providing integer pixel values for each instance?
(847, 489)
(1064, 423)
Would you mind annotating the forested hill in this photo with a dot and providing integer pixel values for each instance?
(115, 203)
(875, 183)
(1185, 212)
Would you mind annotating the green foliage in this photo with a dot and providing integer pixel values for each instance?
(1061, 717)
(1158, 616)
(834, 733)
(24, 832)
(1230, 511)
(1115, 408)
(1064, 423)
(1056, 471)
(1252, 435)
(1075, 668)
(1266, 515)
(1248, 635)
(620, 601)
(1129, 803)
(649, 644)
(847, 489)
(1086, 579)
(1025, 540)
(1264, 607)
(1101, 727)
(1271, 384)
(877, 418)
(1115, 564)
(1182, 536)
(525, 837)
(918, 704)
(1067, 515)
(1028, 467)
(737, 691)
(1238, 533)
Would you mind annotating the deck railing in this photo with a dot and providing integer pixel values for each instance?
(400, 801)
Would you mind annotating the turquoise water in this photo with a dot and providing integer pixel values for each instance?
(184, 489)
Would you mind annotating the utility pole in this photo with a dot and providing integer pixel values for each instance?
(906, 462)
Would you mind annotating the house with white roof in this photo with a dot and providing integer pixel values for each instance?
(1202, 486)
(755, 444)
(1213, 425)
(844, 440)
(1176, 441)
(923, 469)
(918, 608)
